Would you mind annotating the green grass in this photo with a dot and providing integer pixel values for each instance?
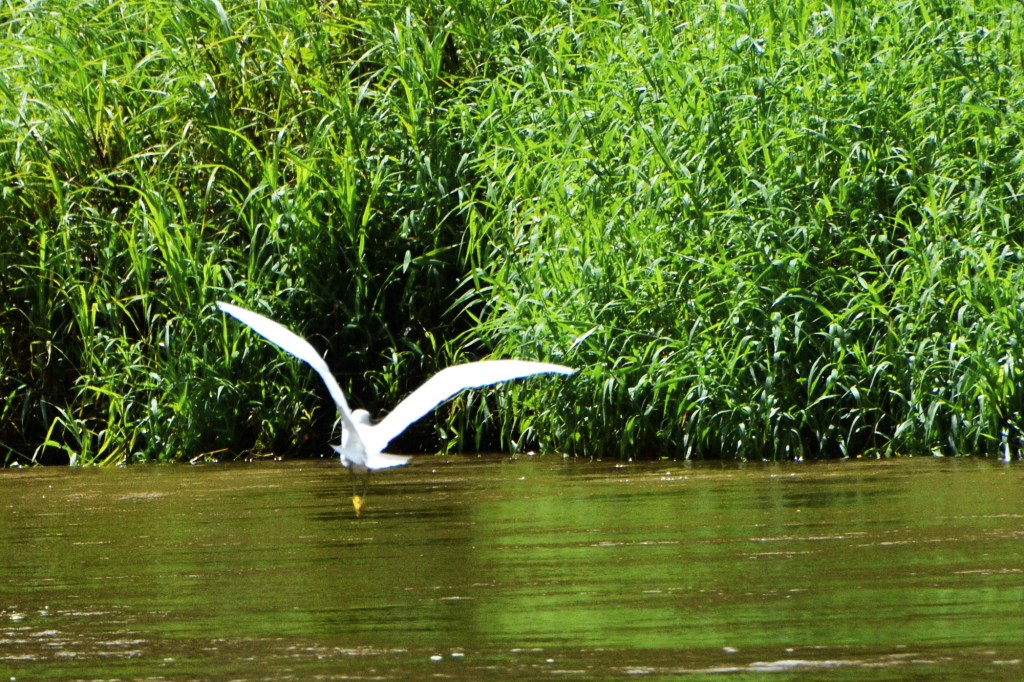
(762, 230)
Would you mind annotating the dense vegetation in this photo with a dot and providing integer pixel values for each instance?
(761, 230)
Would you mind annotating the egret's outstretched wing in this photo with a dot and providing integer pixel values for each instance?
(382, 460)
(292, 343)
(376, 460)
(447, 383)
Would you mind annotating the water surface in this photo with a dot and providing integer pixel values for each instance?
(490, 568)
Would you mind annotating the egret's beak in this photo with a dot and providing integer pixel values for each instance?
(357, 503)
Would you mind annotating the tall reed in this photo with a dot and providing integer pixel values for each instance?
(161, 157)
(762, 230)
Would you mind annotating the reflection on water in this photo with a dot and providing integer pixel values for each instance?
(491, 568)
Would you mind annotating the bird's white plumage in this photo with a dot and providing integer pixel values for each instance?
(448, 382)
(362, 443)
(292, 343)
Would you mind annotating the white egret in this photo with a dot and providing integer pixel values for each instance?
(362, 443)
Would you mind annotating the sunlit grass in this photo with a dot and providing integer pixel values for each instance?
(772, 231)
(762, 230)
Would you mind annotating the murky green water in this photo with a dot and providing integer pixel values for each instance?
(474, 569)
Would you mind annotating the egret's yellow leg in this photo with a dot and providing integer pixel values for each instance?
(358, 500)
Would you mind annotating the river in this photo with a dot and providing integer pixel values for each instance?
(467, 568)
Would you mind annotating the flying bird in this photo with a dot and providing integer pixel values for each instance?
(362, 443)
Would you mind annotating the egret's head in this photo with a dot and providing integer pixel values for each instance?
(361, 417)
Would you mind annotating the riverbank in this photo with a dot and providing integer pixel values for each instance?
(760, 231)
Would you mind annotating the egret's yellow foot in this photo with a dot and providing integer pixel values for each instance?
(357, 503)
